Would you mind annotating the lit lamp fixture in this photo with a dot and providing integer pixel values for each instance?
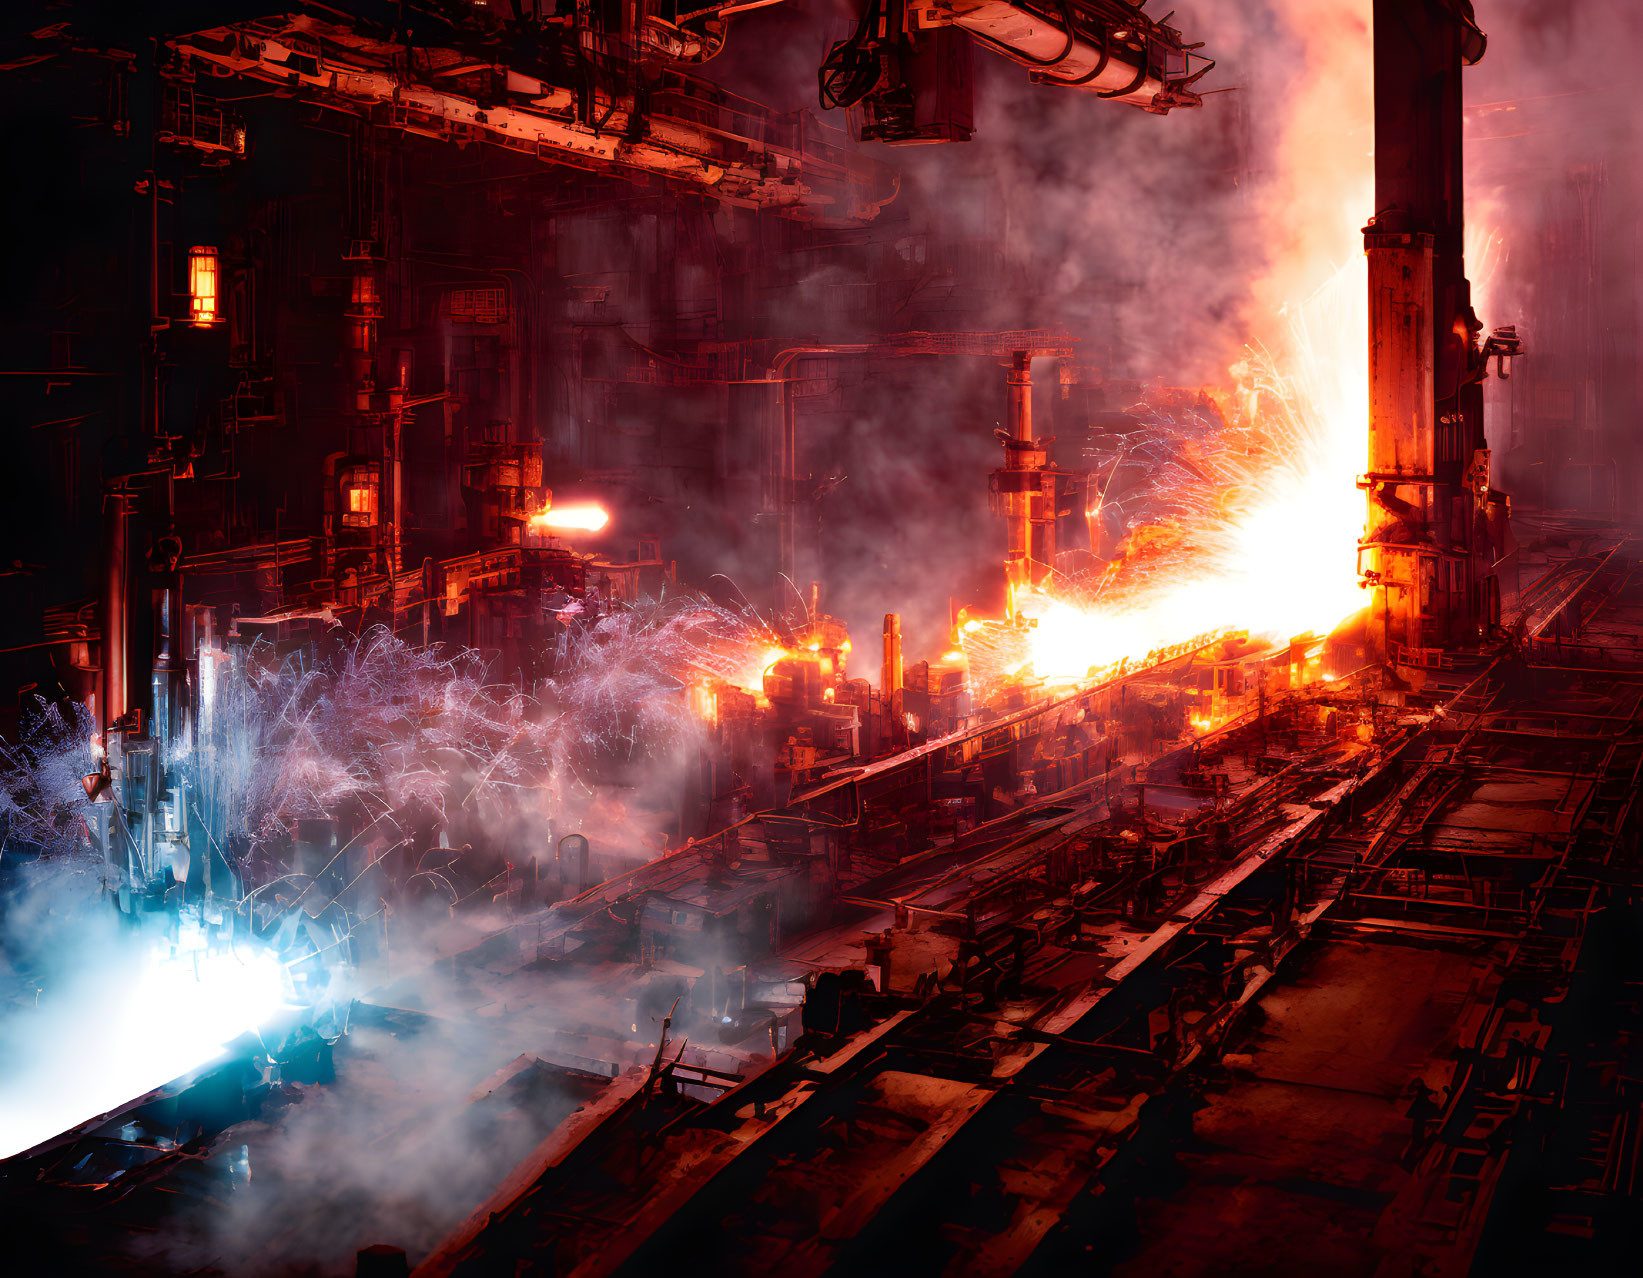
(359, 491)
(202, 286)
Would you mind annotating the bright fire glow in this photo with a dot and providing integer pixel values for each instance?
(760, 663)
(120, 1028)
(1274, 552)
(585, 517)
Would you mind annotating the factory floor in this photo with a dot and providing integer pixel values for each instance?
(1304, 1140)
(1403, 917)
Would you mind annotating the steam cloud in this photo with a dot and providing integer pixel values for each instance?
(1165, 245)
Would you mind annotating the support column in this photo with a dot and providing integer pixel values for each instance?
(1024, 491)
(1427, 550)
(891, 677)
(116, 614)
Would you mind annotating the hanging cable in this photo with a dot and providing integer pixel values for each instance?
(1132, 86)
(851, 68)
(1028, 59)
(1093, 72)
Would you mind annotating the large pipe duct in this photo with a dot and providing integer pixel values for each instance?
(1116, 53)
(1017, 498)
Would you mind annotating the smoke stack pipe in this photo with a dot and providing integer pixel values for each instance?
(115, 607)
(168, 675)
(891, 674)
(1016, 487)
(1021, 395)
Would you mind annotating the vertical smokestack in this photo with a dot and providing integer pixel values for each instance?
(891, 677)
(1019, 490)
(1021, 395)
(115, 607)
(168, 674)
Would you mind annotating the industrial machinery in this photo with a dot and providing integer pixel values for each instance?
(529, 748)
(1024, 491)
(907, 68)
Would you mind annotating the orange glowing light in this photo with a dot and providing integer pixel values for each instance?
(1274, 553)
(359, 492)
(751, 675)
(703, 702)
(202, 286)
(556, 520)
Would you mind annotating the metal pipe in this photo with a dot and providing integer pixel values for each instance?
(1016, 498)
(1021, 395)
(891, 674)
(541, 119)
(116, 617)
(1107, 65)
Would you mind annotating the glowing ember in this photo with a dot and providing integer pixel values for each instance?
(585, 517)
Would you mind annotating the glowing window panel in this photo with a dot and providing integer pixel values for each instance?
(359, 499)
(202, 286)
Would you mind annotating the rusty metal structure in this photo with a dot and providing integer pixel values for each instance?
(1024, 491)
(1248, 954)
(1436, 528)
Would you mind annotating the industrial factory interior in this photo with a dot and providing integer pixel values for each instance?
(918, 637)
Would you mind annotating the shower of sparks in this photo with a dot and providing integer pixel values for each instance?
(620, 692)
(41, 795)
(1239, 514)
(386, 737)
(377, 727)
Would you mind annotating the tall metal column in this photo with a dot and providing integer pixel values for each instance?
(1024, 491)
(1428, 548)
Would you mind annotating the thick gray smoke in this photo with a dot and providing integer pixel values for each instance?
(1162, 244)
(1554, 202)
(417, 748)
(434, 1102)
